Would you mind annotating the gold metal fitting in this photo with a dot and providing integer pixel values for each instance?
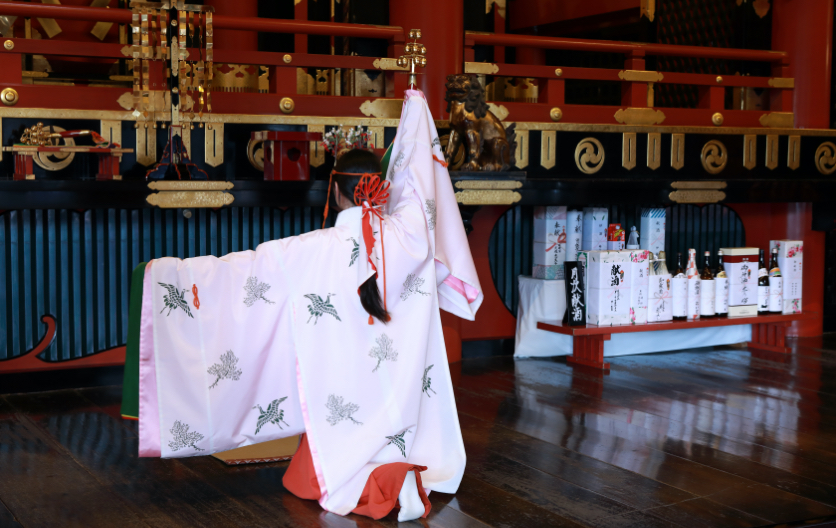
(287, 59)
(719, 79)
(286, 105)
(9, 45)
(414, 33)
(556, 114)
(9, 95)
(558, 72)
(717, 119)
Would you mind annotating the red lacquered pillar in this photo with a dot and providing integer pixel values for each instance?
(805, 31)
(232, 39)
(442, 28)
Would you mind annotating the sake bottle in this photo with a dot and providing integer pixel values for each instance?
(763, 286)
(721, 288)
(693, 277)
(776, 284)
(633, 240)
(679, 290)
(651, 263)
(707, 291)
(662, 267)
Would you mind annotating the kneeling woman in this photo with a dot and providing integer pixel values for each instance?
(335, 334)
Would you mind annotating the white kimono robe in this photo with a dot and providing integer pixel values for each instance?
(263, 344)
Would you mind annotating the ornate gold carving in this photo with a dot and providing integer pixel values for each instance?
(9, 96)
(777, 120)
(794, 152)
(9, 45)
(384, 63)
(489, 184)
(639, 116)
(193, 199)
(385, 108)
(558, 72)
(287, 59)
(640, 76)
(628, 150)
(483, 68)
(677, 151)
(697, 196)
(239, 78)
(714, 157)
(750, 151)
(826, 158)
(548, 148)
(214, 144)
(699, 185)
(654, 150)
(556, 114)
(589, 155)
(782, 82)
(717, 119)
(771, 151)
(500, 111)
(487, 197)
(191, 185)
(286, 105)
(648, 9)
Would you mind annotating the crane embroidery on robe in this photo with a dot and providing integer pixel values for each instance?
(399, 442)
(318, 307)
(226, 369)
(184, 438)
(431, 211)
(255, 291)
(383, 351)
(272, 415)
(411, 285)
(355, 251)
(340, 411)
(426, 382)
(176, 298)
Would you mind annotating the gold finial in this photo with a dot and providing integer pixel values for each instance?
(415, 55)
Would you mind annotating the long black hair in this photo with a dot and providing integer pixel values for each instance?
(359, 161)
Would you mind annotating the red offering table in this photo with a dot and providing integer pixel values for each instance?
(588, 340)
(109, 158)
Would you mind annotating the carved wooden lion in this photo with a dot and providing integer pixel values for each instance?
(487, 145)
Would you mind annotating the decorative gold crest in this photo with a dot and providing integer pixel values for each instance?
(589, 155)
(714, 157)
(826, 158)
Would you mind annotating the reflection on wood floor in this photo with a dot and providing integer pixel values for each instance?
(707, 437)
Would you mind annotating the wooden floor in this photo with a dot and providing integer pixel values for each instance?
(707, 437)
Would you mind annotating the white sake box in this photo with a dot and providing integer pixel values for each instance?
(652, 231)
(549, 242)
(608, 297)
(660, 302)
(742, 269)
(791, 262)
(639, 284)
(595, 223)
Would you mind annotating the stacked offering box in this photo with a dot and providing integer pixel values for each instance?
(574, 233)
(549, 242)
(652, 230)
(609, 295)
(660, 305)
(742, 268)
(639, 284)
(595, 228)
(791, 262)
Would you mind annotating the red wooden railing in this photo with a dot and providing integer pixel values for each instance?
(712, 87)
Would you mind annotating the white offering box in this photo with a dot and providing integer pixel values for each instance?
(652, 231)
(549, 242)
(595, 228)
(791, 262)
(742, 268)
(639, 285)
(574, 233)
(660, 303)
(608, 296)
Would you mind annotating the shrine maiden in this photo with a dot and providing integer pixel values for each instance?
(260, 345)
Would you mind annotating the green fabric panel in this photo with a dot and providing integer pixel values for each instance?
(130, 385)
(384, 161)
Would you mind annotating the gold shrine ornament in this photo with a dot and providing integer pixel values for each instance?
(714, 157)
(589, 155)
(826, 158)
(9, 96)
(286, 105)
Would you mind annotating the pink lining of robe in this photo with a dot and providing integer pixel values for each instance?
(149, 411)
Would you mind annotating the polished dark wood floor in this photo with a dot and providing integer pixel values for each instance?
(700, 438)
